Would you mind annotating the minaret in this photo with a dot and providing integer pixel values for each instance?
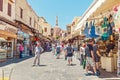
(56, 20)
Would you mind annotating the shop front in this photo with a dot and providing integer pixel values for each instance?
(7, 41)
(103, 25)
(25, 37)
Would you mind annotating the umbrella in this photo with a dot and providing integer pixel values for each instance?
(2, 39)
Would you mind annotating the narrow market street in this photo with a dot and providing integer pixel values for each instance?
(50, 69)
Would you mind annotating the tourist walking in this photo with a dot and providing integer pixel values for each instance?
(90, 61)
(38, 51)
(75, 49)
(65, 54)
(30, 49)
(58, 50)
(21, 49)
(53, 49)
(69, 51)
(82, 52)
(97, 56)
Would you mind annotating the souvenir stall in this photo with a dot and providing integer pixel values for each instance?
(107, 27)
(116, 11)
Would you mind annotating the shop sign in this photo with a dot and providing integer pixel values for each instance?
(23, 34)
(7, 27)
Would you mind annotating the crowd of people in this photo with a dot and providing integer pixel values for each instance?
(88, 54)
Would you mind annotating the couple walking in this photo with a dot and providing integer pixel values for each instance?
(92, 57)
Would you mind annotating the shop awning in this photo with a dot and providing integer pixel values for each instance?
(8, 34)
(76, 33)
(106, 6)
(2, 39)
(68, 37)
(89, 12)
(30, 33)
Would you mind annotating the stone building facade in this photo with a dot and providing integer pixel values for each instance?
(8, 29)
(46, 27)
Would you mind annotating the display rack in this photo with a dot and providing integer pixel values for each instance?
(118, 62)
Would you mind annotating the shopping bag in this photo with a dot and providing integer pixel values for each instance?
(84, 64)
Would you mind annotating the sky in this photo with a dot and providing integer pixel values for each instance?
(66, 10)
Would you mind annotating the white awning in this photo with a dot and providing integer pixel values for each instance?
(2, 39)
(88, 12)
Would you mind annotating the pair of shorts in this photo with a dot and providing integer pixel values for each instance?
(58, 53)
(97, 59)
(90, 62)
(69, 58)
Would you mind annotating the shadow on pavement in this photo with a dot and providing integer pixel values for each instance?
(14, 60)
(39, 65)
(42, 65)
(105, 74)
(73, 64)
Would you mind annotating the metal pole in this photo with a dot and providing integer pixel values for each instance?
(10, 73)
(2, 74)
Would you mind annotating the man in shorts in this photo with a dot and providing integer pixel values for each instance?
(90, 62)
(69, 51)
(58, 50)
(97, 56)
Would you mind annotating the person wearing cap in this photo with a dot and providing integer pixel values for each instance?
(38, 51)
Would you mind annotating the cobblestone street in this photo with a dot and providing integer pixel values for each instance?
(50, 69)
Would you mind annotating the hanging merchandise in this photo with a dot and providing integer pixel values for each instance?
(105, 35)
(111, 37)
(109, 29)
(92, 31)
(116, 16)
(116, 11)
(104, 25)
(86, 30)
(98, 30)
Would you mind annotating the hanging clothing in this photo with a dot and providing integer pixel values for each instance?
(93, 32)
(86, 30)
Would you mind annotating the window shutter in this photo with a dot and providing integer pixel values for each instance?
(21, 13)
(9, 9)
(1, 5)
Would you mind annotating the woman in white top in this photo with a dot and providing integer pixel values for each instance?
(82, 52)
